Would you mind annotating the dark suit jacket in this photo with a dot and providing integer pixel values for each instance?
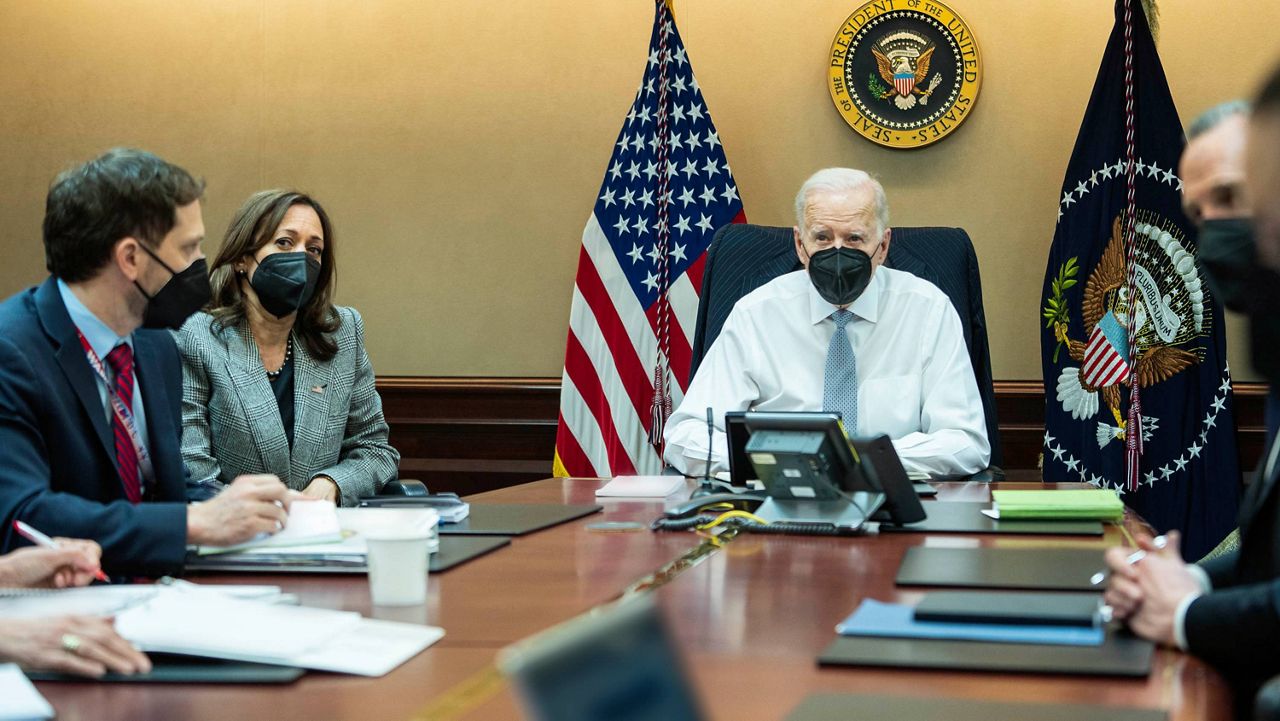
(1237, 626)
(58, 471)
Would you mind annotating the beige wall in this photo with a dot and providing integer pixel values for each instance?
(460, 145)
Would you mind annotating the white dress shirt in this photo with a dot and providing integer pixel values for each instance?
(915, 382)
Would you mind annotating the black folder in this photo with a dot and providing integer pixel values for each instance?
(1121, 654)
(177, 668)
(1051, 608)
(874, 707)
(1038, 569)
(453, 551)
(924, 489)
(514, 519)
(967, 517)
(457, 550)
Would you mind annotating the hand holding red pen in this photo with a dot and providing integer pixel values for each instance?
(54, 563)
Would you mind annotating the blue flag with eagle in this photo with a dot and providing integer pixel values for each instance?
(1124, 303)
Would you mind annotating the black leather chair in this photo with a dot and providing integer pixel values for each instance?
(744, 257)
(404, 487)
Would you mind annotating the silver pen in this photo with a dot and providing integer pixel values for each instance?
(1159, 542)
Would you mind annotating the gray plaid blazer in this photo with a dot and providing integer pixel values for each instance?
(231, 424)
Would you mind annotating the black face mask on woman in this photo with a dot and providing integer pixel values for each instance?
(1227, 254)
(184, 294)
(285, 282)
(840, 274)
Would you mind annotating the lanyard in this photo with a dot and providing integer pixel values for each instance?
(121, 411)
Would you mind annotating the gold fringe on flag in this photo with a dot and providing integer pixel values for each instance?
(1153, 18)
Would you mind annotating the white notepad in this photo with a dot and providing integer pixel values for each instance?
(640, 487)
(109, 600)
(19, 700)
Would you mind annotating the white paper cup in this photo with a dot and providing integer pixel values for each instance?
(398, 555)
(381, 522)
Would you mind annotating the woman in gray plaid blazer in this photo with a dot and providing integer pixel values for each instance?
(275, 377)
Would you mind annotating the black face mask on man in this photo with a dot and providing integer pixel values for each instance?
(285, 282)
(840, 274)
(1227, 255)
(175, 302)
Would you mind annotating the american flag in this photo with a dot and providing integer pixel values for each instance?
(635, 299)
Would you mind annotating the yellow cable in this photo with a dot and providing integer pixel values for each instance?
(732, 514)
(1128, 536)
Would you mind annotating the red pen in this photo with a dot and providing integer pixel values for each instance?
(44, 541)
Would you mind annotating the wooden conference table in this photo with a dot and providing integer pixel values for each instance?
(750, 617)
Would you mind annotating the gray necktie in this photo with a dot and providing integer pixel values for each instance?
(840, 387)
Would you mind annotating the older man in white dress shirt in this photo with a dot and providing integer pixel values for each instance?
(846, 334)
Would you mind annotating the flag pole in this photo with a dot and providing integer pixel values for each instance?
(660, 408)
(1133, 427)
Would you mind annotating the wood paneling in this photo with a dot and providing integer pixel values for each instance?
(475, 434)
(472, 434)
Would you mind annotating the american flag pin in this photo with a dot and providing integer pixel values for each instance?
(317, 389)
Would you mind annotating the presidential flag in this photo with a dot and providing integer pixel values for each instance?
(635, 299)
(1138, 393)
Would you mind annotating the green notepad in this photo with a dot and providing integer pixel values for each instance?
(1098, 504)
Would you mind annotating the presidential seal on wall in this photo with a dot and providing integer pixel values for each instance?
(904, 73)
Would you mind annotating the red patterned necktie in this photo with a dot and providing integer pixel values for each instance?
(121, 361)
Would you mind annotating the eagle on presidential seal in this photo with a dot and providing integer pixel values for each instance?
(1170, 320)
(903, 58)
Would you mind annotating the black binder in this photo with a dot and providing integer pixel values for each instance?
(874, 707)
(967, 517)
(1037, 569)
(1121, 654)
(1010, 607)
(514, 519)
(177, 668)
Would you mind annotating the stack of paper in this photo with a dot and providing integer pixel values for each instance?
(110, 600)
(1100, 504)
(241, 630)
(19, 700)
(641, 487)
(348, 551)
(309, 522)
(239, 623)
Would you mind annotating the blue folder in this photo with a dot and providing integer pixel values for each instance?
(896, 620)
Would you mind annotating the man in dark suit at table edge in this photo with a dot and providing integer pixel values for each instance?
(91, 383)
(1227, 611)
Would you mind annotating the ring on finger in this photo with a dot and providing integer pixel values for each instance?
(70, 643)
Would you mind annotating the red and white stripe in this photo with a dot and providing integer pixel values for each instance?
(1103, 364)
(612, 349)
